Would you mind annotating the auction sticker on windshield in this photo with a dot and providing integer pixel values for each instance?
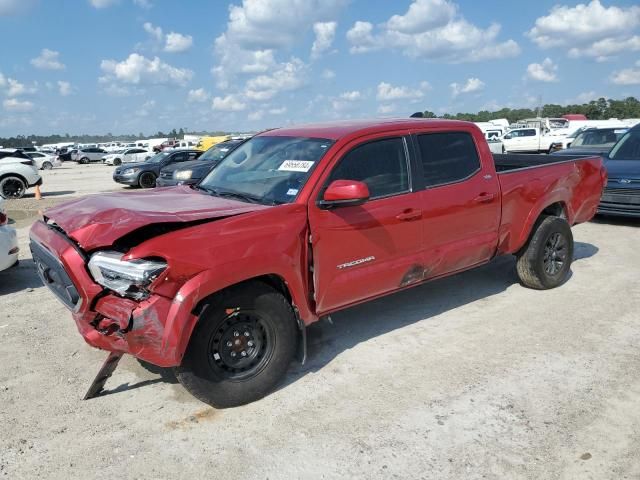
(296, 166)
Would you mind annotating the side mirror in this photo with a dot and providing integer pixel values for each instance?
(344, 193)
(507, 137)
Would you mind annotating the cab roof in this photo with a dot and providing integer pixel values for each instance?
(339, 129)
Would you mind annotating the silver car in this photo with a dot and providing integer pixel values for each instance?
(87, 155)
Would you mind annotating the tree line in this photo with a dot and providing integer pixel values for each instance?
(601, 109)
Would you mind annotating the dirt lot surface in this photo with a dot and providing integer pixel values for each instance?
(468, 377)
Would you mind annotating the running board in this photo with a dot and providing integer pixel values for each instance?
(107, 369)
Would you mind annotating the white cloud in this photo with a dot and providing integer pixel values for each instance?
(146, 4)
(102, 3)
(255, 116)
(154, 32)
(137, 69)
(588, 30)
(15, 105)
(328, 74)
(470, 86)
(432, 29)
(543, 72)
(176, 42)
(346, 100)
(230, 103)
(387, 92)
(387, 109)
(628, 76)
(278, 111)
(15, 88)
(325, 34)
(64, 88)
(48, 60)
(199, 95)
(351, 96)
(287, 76)
(146, 109)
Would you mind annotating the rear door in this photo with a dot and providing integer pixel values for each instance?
(367, 250)
(461, 202)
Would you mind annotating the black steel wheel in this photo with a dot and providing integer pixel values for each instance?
(545, 261)
(12, 187)
(147, 180)
(241, 347)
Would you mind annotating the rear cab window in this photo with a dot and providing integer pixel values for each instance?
(447, 157)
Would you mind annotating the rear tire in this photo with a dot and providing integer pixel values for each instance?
(12, 187)
(241, 347)
(147, 180)
(84, 160)
(47, 166)
(117, 162)
(545, 261)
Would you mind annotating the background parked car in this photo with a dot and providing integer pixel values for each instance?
(44, 161)
(191, 172)
(593, 141)
(127, 155)
(622, 193)
(17, 173)
(66, 156)
(8, 241)
(90, 154)
(144, 174)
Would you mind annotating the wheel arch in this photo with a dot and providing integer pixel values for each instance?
(557, 208)
(10, 174)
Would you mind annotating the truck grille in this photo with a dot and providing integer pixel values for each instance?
(622, 191)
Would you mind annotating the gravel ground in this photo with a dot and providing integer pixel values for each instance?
(469, 377)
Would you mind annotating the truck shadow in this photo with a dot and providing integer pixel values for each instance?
(21, 277)
(419, 304)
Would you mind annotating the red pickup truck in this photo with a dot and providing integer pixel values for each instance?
(220, 280)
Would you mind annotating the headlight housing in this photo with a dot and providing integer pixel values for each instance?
(128, 278)
(130, 171)
(184, 175)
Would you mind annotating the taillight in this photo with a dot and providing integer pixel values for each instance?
(3, 219)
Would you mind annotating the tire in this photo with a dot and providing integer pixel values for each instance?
(545, 261)
(212, 370)
(12, 187)
(84, 160)
(147, 180)
(47, 166)
(117, 162)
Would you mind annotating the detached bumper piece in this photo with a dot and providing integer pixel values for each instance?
(105, 372)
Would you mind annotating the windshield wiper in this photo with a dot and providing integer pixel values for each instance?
(238, 195)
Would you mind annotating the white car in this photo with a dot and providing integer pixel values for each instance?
(128, 155)
(531, 140)
(18, 172)
(44, 161)
(8, 241)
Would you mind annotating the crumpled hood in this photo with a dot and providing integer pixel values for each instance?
(99, 220)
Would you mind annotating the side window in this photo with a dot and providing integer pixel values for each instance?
(381, 164)
(179, 157)
(529, 133)
(447, 157)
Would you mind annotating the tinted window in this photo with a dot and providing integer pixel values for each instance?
(447, 157)
(382, 165)
(628, 148)
(179, 157)
(529, 133)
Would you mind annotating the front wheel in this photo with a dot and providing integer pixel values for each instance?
(47, 166)
(241, 347)
(117, 162)
(545, 261)
(84, 160)
(12, 187)
(147, 180)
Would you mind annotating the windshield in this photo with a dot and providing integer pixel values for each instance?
(598, 138)
(158, 157)
(628, 148)
(217, 153)
(266, 169)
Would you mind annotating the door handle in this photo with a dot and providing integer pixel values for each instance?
(484, 198)
(409, 214)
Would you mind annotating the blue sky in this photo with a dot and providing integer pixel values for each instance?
(129, 66)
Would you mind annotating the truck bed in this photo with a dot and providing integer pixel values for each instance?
(506, 162)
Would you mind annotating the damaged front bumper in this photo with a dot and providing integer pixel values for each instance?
(152, 330)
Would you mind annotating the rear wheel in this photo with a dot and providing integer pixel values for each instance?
(84, 160)
(147, 180)
(117, 162)
(12, 187)
(47, 166)
(241, 347)
(545, 261)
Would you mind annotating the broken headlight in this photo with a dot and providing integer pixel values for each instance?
(129, 278)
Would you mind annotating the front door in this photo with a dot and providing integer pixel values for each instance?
(375, 248)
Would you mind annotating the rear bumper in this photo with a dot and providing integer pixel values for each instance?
(8, 247)
(152, 330)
